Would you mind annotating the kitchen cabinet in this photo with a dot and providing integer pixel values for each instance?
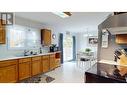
(8, 71)
(121, 38)
(36, 65)
(57, 62)
(15, 70)
(24, 68)
(2, 34)
(52, 61)
(45, 63)
(46, 37)
(57, 59)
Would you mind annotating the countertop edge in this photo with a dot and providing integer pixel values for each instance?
(14, 58)
(110, 62)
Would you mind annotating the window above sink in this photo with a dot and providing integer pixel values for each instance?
(22, 37)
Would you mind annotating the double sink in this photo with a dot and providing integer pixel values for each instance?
(27, 55)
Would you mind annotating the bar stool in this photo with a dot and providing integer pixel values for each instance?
(85, 63)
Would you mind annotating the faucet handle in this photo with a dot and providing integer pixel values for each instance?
(25, 52)
(40, 50)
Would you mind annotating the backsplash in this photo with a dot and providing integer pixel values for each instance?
(5, 52)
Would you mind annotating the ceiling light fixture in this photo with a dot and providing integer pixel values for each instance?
(63, 14)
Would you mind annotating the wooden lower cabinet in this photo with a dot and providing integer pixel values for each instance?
(8, 71)
(24, 68)
(52, 62)
(57, 62)
(45, 63)
(36, 65)
(18, 69)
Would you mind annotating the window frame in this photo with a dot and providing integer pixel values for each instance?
(26, 29)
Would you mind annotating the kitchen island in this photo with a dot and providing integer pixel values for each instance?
(106, 73)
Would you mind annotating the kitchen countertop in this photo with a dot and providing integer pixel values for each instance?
(108, 71)
(18, 57)
(110, 62)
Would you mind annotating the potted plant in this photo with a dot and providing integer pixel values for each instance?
(88, 50)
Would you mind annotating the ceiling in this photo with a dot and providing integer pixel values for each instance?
(78, 22)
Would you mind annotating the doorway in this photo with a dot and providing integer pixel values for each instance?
(67, 48)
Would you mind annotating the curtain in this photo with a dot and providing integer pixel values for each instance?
(61, 46)
(74, 48)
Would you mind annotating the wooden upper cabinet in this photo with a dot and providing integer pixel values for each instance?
(24, 68)
(46, 37)
(2, 34)
(121, 39)
(8, 71)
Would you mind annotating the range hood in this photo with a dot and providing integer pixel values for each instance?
(116, 24)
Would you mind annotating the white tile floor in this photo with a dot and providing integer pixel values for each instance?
(67, 73)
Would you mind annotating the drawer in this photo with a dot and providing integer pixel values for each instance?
(24, 60)
(52, 55)
(36, 58)
(45, 56)
(8, 62)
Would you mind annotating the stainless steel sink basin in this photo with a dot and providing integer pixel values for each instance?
(22, 55)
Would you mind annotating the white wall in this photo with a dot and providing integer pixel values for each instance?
(4, 51)
(82, 41)
(34, 24)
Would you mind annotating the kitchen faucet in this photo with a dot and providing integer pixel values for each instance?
(40, 50)
(25, 52)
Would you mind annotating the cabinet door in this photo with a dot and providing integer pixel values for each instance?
(8, 74)
(52, 61)
(2, 35)
(57, 62)
(24, 70)
(121, 39)
(45, 63)
(46, 37)
(36, 67)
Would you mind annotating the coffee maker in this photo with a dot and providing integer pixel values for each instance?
(54, 48)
